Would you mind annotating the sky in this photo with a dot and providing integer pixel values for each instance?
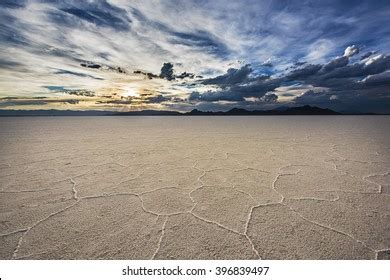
(122, 55)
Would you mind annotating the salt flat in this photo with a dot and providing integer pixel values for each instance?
(281, 187)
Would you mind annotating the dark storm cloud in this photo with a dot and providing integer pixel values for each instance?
(312, 97)
(232, 77)
(339, 69)
(304, 72)
(258, 88)
(377, 65)
(239, 92)
(352, 86)
(156, 99)
(366, 55)
(342, 83)
(167, 71)
(338, 62)
(382, 80)
(355, 101)
(212, 96)
(237, 85)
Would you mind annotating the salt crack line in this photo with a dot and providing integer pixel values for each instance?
(316, 199)
(280, 175)
(306, 219)
(13, 232)
(215, 223)
(329, 228)
(25, 191)
(139, 198)
(247, 236)
(160, 239)
(380, 187)
(14, 255)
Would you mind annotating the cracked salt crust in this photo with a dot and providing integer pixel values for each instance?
(195, 188)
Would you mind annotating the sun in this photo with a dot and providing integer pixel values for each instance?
(130, 92)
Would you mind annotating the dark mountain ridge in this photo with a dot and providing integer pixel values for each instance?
(302, 110)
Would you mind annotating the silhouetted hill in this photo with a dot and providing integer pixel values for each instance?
(148, 113)
(302, 110)
(309, 110)
(21, 113)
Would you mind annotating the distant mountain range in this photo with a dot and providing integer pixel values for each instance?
(302, 110)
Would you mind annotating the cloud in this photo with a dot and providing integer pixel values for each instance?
(103, 67)
(148, 74)
(13, 4)
(185, 75)
(80, 92)
(375, 65)
(267, 63)
(91, 65)
(127, 101)
(367, 55)
(105, 47)
(100, 13)
(315, 98)
(335, 83)
(157, 99)
(361, 86)
(36, 101)
(382, 80)
(269, 97)
(76, 92)
(68, 72)
(319, 50)
(338, 62)
(9, 64)
(304, 72)
(256, 88)
(167, 71)
(351, 51)
(232, 77)
(202, 40)
(211, 96)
